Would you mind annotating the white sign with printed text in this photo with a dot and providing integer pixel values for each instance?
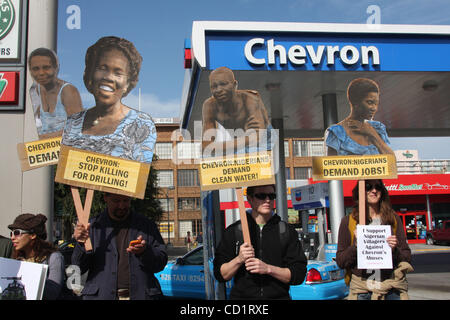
(373, 249)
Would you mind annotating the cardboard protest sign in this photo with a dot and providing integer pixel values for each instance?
(359, 133)
(100, 172)
(355, 167)
(39, 153)
(358, 146)
(53, 100)
(109, 147)
(239, 117)
(20, 280)
(230, 113)
(373, 249)
(238, 171)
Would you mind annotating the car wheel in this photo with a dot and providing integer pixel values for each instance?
(430, 240)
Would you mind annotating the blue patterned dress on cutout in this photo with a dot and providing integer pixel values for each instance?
(133, 139)
(336, 137)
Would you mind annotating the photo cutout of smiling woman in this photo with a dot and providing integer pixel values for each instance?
(358, 133)
(110, 127)
(53, 99)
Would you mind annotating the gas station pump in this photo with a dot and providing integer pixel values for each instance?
(305, 199)
(313, 234)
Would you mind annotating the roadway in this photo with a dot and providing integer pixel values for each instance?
(431, 277)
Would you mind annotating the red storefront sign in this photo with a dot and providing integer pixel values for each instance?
(411, 184)
(404, 185)
(9, 87)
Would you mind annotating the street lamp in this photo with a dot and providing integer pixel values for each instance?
(168, 210)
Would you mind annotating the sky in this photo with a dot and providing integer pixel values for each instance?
(158, 30)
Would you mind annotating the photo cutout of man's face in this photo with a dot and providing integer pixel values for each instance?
(223, 85)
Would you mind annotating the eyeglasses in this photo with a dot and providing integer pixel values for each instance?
(377, 186)
(263, 196)
(18, 232)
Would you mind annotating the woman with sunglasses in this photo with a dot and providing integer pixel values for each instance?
(378, 212)
(274, 260)
(28, 236)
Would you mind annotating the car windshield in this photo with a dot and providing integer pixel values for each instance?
(194, 258)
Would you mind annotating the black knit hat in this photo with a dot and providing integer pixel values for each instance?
(32, 223)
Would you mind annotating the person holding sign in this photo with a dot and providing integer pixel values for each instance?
(127, 251)
(378, 212)
(53, 99)
(5, 247)
(230, 108)
(274, 260)
(359, 134)
(110, 127)
(28, 236)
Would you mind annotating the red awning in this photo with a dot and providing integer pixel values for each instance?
(411, 184)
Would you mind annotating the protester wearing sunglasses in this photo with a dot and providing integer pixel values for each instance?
(378, 212)
(272, 262)
(28, 236)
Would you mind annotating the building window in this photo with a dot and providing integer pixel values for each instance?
(189, 150)
(188, 178)
(316, 148)
(196, 227)
(303, 148)
(300, 148)
(163, 204)
(163, 150)
(188, 203)
(286, 149)
(193, 226)
(164, 178)
(302, 173)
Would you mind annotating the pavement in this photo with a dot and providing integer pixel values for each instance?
(431, 277)
(425, 248)
(429, 281)
(175, 252)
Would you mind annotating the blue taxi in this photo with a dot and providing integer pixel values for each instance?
(185, 278)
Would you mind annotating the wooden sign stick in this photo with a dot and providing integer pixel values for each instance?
(362, 201)
(243, 215)
(83, 213)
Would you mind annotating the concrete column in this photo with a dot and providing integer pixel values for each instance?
(280, 176)
(430, 221)
(30, 191)
(278, 152)
(336, 193)
(321, 231)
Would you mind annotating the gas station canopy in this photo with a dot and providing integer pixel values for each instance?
(294, 65)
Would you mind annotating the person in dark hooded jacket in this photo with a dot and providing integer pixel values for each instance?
(272, 262)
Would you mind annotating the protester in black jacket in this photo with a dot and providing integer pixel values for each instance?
(272, 262)
(5, 247)
(118, 269)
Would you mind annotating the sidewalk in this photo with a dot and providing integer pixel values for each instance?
(175, 252)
